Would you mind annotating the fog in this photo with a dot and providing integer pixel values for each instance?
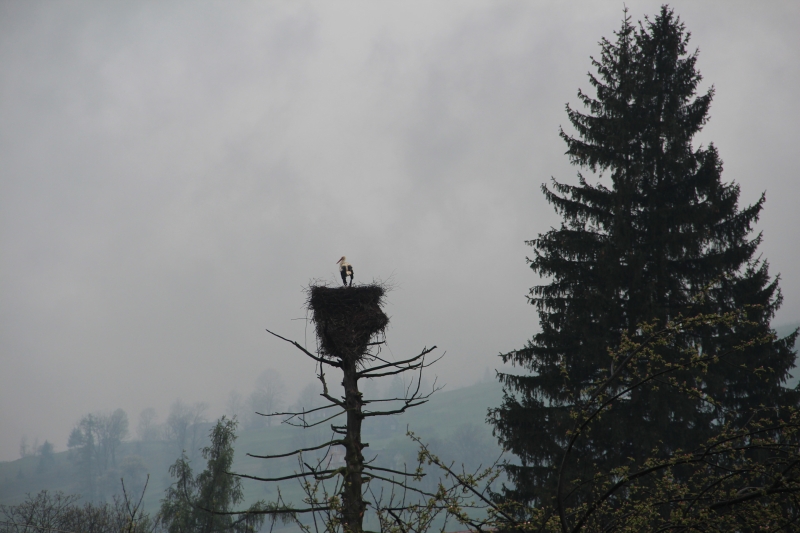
(173, 174)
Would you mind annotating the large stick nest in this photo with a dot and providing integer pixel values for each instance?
(347, 318)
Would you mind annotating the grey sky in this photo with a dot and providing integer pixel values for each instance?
(173, 173)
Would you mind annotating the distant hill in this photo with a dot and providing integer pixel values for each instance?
(452, 422)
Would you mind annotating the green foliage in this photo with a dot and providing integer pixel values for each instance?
(745, 477)
(663, 238)
(204, 503)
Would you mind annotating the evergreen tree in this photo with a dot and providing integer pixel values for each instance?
(196, 504)
(658, 229)
(46, 457)
(86, 454)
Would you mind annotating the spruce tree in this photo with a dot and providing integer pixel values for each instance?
(655, 228)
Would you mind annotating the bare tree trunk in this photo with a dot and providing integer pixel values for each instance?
(353, 504)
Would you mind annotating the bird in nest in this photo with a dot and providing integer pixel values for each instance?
(345, 269)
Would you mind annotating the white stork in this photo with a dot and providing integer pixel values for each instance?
(345, 269)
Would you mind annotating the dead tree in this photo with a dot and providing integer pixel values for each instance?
(350, 327)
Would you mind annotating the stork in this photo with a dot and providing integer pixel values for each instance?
(345, 269)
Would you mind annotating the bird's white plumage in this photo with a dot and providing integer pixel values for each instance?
(345, 269)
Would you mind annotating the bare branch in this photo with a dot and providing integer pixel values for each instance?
(400, 484)
(307, 425)
(388, 364)
(311, 355)
(301, 413)
(408, 474)
(293, 476)
(366, 373)
(396, 411)
(281, 510)
(461, 481)
(300, 450)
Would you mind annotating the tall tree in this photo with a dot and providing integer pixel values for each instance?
(658, 236)
(113, 429)
(198, 504)
(86, 454)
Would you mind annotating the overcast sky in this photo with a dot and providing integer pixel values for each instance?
(172, 174)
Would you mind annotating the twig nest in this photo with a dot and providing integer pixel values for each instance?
(347, 318)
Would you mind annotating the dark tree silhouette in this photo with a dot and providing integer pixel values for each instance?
(641, 247)
(745, 477)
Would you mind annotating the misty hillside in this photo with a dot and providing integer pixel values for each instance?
(452, 423)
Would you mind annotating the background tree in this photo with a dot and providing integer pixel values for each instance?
(308, 398)
(147, 429)
(178, 422)
(83, 447)
(665, 229)
(114, 429)
(396, 388)
(58, 512)
(184, 425)
(204, 503)
(133, 470)
(24, 447)
(235, 406)
(46, 457)
(93, 443)
(267, 397)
